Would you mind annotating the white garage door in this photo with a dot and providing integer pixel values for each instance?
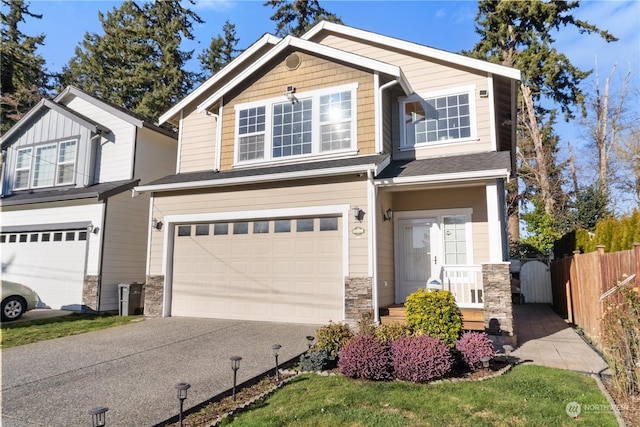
(51, 263)
(286, 270)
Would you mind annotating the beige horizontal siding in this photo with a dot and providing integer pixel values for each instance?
(385, 259)
(245, 199)
(198, 146)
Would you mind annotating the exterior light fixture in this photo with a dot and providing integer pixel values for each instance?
(156, 224)
(357, 213)
(289, 94)
(310, 339)
(235, 365)
(92, 229)
(98, 416)
(182, 395)
(388, 215)
(276, 349)
(485, 361)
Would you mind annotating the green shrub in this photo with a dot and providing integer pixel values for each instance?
(316, 360)
(391, 332)
(332, 337)
(434, 313)
(365, 325)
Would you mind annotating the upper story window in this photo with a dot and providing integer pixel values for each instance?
(45, 165)
(438, 118)
(318, 122)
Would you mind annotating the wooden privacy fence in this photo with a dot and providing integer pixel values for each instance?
(578, 282)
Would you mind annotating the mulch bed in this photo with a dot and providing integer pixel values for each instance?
(629, 407)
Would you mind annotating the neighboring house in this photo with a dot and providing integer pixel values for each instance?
(70, 229)
(324, 177)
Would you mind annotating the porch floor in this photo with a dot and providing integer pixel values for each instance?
(472, 318)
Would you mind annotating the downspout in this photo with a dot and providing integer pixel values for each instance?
(380, 131)
(102, 245)
(3, 170)
(219, 136)
(373, 255)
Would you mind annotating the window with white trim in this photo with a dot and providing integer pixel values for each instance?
(316, 123)
(438, 118)
(23, 169)
(46, 165)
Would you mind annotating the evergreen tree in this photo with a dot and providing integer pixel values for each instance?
(519, 34)
(221, 50)
(137, 63)
(297, 16)
(23, 80)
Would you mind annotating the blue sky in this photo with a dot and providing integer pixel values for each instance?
(447, 25)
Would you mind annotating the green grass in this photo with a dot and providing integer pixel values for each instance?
(525, 396)
(15, 334)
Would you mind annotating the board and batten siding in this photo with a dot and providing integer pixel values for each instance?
(313, 73)
(125, 247)
(452, 198)
(198, 146)
(427, 75)
(115, 154)
(59, 213)
(50, 126)
(247, 199)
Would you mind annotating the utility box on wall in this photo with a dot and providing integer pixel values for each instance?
(130, 299)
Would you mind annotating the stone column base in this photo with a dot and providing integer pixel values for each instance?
(153, 294)
(498, 306)
(357, 300)
(90, 295)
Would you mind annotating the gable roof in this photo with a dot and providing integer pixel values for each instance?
(429, 52)
(265, 40)
(94, 126)
(290, 41)
(118, 111)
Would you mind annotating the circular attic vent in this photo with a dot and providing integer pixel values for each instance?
(293, 61)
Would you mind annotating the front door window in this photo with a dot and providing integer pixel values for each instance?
(418, 255)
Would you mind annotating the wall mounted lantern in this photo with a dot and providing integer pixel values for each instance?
(388, 215)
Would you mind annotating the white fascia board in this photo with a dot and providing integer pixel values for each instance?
(286, 176)
(330, 52)
(444, 177)
(263, 41)
(430, 52)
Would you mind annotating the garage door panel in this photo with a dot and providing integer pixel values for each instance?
(290, 276)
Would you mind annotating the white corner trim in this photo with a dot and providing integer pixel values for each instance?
(179, 154)
(494, 223)
(492, 114)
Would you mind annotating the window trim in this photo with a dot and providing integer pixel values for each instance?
(316, 151)
(16, 169)
(470, 90)
(32, 164)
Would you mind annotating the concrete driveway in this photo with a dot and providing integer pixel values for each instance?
(133, 369)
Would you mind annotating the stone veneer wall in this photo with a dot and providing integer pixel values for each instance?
(498, 306)
(153, 293)
(357, 300)
(90, 293)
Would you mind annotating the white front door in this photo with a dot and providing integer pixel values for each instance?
(418, 254)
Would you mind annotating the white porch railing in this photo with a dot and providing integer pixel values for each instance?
(465, 283)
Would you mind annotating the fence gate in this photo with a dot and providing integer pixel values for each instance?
(535, 282)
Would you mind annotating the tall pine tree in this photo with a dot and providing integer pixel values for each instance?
(221, 50)
(23, 80)
(297, 16)
(519, 34)
(137, 63)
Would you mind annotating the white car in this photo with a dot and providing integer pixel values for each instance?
(16, 300)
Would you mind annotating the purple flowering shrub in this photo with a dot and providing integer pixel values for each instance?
(365, 357)
(420, 358)
(473, 346)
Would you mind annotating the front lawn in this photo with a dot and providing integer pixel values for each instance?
(525, 396)
(15, 334)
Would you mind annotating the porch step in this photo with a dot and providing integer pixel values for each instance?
(472, 318)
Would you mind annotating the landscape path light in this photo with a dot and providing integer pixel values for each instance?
(182, 395)
(485, 361)
(276, 349)
(98, 416)
(310, 339)
(235, 365)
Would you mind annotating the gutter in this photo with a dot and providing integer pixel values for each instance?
(444, 178)
(373, 246)
(284, 176)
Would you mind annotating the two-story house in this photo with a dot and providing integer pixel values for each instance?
(70, 229)
(325, 177)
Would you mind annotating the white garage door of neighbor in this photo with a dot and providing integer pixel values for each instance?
(285, 270)
(51, 263)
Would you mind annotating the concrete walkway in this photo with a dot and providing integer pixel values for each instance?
(544, 338)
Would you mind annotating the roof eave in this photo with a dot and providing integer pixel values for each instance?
(500, 173)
